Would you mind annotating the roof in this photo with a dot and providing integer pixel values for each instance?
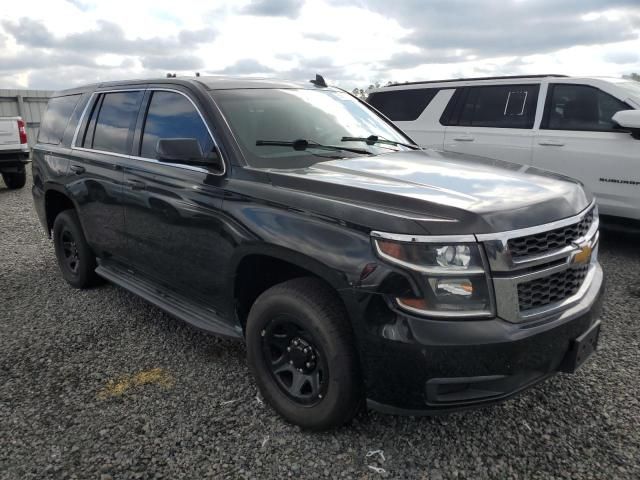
(224, 83)
(208, 82)
(474, 79)
(502, 80)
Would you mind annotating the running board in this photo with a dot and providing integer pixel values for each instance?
(189, 311)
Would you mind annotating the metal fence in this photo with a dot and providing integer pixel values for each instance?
(28, 104)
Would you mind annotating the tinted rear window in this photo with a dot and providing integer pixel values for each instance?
(116, 118)
(403, 105)
(56, 118)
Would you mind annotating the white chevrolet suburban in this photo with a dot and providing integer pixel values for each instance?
(14, 151)
(585, 128)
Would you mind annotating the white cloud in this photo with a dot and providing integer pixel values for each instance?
(62, 43)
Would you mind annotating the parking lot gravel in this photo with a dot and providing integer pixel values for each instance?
(100, 384)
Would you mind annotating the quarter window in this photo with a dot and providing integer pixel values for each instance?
(56, 118)
(580, 107)
(402, 105)
(172, 115)
(112, 122)
(500, 106)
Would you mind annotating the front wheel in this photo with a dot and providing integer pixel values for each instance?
(15, 180)
(301, 353)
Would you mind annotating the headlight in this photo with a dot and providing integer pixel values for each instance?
(452, 275)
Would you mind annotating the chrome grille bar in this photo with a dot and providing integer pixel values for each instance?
(510, 271)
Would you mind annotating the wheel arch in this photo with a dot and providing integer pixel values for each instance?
(55, 202)
(258, 268)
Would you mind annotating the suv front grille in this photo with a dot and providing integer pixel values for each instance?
(541, 243)
(552, 289)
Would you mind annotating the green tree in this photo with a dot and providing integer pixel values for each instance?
(364, 93)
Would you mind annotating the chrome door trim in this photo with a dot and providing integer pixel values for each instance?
(145, 159)
(148, 160)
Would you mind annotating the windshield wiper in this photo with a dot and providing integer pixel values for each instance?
(302, 144)
(373, 139)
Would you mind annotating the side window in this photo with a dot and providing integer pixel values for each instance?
(499, 106)
(112, 121)
(580, 107)
(402, 105)
(172, 115)
(451, 113)
(56, 118)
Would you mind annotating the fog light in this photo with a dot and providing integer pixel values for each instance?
(454, 286)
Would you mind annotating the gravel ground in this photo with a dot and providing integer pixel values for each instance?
(99, 384)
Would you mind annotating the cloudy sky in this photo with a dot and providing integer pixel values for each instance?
(53, 44)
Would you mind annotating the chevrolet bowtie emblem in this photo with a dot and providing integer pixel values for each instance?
(583, 255)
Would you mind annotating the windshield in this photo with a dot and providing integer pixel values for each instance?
(322, 118)
(632, 88)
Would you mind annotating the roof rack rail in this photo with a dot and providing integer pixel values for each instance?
(506, 77)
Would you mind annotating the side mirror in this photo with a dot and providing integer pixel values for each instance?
(629, 120)
(183, 150)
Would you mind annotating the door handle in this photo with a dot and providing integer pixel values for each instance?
(136, 184)
(464, 138)
(77, 169)
(551, 143)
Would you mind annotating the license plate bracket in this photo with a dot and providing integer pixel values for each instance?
(581, 348)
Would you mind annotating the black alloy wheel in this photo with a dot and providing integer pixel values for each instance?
(296, 362)
(76, 260)
(70, 251)
(301, 352)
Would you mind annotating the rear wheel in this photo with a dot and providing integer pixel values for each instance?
(300, 350)
(15, 180)
(75, 258)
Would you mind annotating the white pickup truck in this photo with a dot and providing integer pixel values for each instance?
(14, 151)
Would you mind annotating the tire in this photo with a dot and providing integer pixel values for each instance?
(15, 180)
(75, 258)
(306, 311)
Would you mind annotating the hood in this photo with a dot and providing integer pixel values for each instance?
(444, 192)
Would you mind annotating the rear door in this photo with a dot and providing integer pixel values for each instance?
(578, 138)
(494, 121)
(101, 145)
(172, 211)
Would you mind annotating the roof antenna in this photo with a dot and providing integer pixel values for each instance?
(319, 81)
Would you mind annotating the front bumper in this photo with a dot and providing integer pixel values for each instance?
(419, 366)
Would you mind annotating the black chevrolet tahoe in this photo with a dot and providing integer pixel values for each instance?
(356, 267)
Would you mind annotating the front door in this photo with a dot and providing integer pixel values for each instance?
(173, 211)
(578, 138)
